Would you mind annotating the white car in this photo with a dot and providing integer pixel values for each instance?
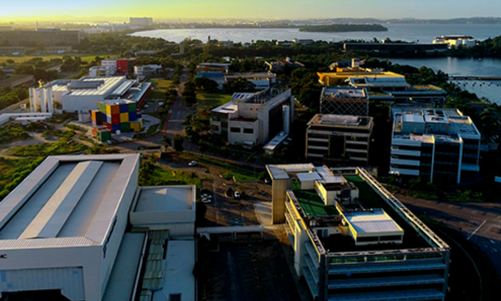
(207, 196)
(206, 200)
(192, 163)
(237, 195)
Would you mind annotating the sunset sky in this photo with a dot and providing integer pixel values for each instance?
(267, 9)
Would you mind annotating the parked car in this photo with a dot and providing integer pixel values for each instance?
(237, 195)
(206, 200)
(207, 196)
(267, 180)
(192, 163)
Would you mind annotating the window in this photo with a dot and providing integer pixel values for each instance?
(174, 297)
(248, 131)
(215, 128)
(235, 130)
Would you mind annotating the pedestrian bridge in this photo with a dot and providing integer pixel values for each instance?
(234, 230)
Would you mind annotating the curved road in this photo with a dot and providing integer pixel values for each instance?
(481, 221)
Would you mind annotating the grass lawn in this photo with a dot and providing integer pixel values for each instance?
(19, 59)
(160, 87)
(162, 176)
(161, 84)
(212, 100)
(63, 146)
(13, 172)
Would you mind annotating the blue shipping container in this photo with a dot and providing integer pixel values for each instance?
(115, 127)
(124, 108)
(132, 116)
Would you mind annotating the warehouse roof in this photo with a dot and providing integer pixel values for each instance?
(67, 197)
(165, 198)
(85, 86)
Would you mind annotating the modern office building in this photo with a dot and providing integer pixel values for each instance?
(208, 67)
(119, 66)
(341, 139)
(342, 75)
(353, 240)
(454, 41)
(96, 71)
(282, 65)
(260, 80)
(63, 232)
(147, 71)
(438, 145)
(141, 21)
(254, 118)
(344, 101)
(225, 43)
(82, 95)
(41, 37)
(381, 86)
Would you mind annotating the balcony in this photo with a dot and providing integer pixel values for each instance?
(386, 281)
(405, 152)
(405, 162)
(403, 171)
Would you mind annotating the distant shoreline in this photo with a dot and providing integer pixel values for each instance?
(344, 28)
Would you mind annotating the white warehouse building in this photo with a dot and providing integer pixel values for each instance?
(63, 232)
(82, 95)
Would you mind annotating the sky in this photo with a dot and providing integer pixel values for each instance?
(249, 9)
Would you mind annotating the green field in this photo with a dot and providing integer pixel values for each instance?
(20, 59)
(170, 177)
(12, 172)
(161, 84)
(212, 100)
(160, 87)
(63, 146)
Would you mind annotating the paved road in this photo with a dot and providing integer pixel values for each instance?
(482, 219)
(176, 120)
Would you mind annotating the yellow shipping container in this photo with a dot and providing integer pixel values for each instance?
(108, 109)
(124, 117)
(135, 126)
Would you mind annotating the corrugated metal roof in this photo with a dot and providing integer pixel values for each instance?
(46, 243)
(376, 221)
(56, 211)
(67, 199)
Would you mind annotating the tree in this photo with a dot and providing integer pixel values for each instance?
(166, 142)
(178, 143)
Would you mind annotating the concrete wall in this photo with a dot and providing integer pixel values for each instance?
(88, 258)
(241, 136)
(72, 103)
(116, 230)
(279, 188)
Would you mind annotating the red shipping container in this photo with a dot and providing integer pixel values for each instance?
(123, 66)
(115, 118)
(107, 125)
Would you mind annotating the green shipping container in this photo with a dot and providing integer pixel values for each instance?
(132, 107)
(125, 127)
(101, 107)
(103, 136)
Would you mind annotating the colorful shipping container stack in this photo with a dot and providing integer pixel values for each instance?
(97, 118)
(120, 115)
